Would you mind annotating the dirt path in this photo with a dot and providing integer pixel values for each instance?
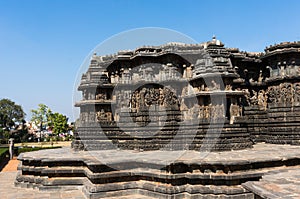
(12, 165)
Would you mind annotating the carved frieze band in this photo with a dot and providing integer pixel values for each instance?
(285, 93)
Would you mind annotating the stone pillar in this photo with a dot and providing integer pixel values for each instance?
(11, 148)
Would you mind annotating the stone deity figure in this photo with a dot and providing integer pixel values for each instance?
(265, 101)
(184, 110)
(101, 116)
(247, 96)
(137, 100)
(116, 117)
(201, 112)
(189, 72)
(132, 101)
(86, 117)
(91, 96)
(270, 70)
(260, 78)
(289, 70)
(160, 74)
(228, 87)
(172, 72)
(234, 112)
(297, 93)
(282, 71)
(92, 117)
(260, 98)
(272, 94)
(294, 68)
(215, 86)
(112, 78)
(161, 97)
(184, 91)
(117, 77)
(148, 99)
(221, 110)
(202, 87)
(109, 116)
(100, 96)
(190, 90)
(213, 113)
(195, 111)
(142, 97)
(206, 112)
(85, 95)
(81, 118)
(184, 71)
(253, 99)
(297, 70)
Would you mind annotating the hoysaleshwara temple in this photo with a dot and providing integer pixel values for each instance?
(181, 121)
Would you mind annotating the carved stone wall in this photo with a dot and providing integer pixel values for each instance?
(284, 93)
(262, 91)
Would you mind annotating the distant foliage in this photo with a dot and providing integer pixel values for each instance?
(41, 115)
(59, 123)
(11, 118)
(10, 113)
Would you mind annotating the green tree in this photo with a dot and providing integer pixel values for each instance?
(41, 115)
(59, 123)
(10, 113)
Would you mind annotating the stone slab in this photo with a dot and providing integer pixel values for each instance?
(9, 191)
(259, 152)
(178, 174)
(279, 184)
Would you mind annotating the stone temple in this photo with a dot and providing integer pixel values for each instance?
(241, 109)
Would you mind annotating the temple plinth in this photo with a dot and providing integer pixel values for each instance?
(181, 121)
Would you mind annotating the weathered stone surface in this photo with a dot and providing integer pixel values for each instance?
(277, 184)
(218, 174)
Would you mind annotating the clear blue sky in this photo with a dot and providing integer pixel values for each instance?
(44, 42)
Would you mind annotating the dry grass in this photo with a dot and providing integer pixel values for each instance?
(44, 144)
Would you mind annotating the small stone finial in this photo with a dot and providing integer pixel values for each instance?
(214, 38)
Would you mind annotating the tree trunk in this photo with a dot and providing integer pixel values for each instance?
(41, 128)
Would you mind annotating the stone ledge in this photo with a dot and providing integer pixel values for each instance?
(279, 184)
(117, 173)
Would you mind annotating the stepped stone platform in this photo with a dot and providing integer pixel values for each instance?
(9, 191)
(120, 173)
(222, 135)
(277, 184)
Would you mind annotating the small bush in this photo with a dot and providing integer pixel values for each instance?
(4, 157)
(29, 149)
(3, 151)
